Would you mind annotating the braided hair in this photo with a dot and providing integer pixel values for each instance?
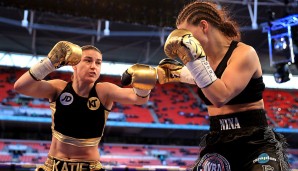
(196, 11)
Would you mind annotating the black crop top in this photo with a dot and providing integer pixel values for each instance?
(79, 117)
(251, 93)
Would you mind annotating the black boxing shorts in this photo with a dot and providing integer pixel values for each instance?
(241, 142)
(54, 164)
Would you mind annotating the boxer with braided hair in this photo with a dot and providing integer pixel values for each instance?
(228, 74)
(80, 107)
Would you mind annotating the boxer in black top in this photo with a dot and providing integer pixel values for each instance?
(80, 107)
(228, 74)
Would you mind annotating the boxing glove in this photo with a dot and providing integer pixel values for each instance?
(181, 43)
(141, 77)
(63, 53)
(170, 70)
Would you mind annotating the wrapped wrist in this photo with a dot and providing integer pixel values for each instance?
(186, 76)
(202, 72)
(141, 93)
(41, 69)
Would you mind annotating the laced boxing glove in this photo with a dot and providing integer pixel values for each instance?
(63, 53)
(181, 43)
(141, 77)
(170, 70)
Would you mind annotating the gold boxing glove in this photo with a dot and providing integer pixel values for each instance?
(170, 70)
(141, 77)
(63, 53)
(181, 43)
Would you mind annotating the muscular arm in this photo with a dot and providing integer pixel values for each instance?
(112, 93)
(242, 66)
(38, 89)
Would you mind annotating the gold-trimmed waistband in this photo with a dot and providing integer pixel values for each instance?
(76, 141)
(58, 164)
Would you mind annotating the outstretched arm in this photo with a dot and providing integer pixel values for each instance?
(114, 93)
(142, 78)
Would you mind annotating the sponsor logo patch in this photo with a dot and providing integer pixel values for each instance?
(263, 158)
(213, 162)
(93, 103)
(66, 98)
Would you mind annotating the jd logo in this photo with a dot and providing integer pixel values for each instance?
(66, 98)
(93, 103)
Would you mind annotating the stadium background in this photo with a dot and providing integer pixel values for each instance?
(161, 134)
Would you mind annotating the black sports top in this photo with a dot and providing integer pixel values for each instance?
(251, 93)
(78, 120)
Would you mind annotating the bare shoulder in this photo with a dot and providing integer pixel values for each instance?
(244, 52)
(245, 49)
(106, 87)
(105, 93)
(245, 58)
(58, 86)
(57, 83)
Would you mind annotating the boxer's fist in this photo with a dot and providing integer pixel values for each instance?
(169, 70)
(141, 77)
(181, 43)
(65, 53)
